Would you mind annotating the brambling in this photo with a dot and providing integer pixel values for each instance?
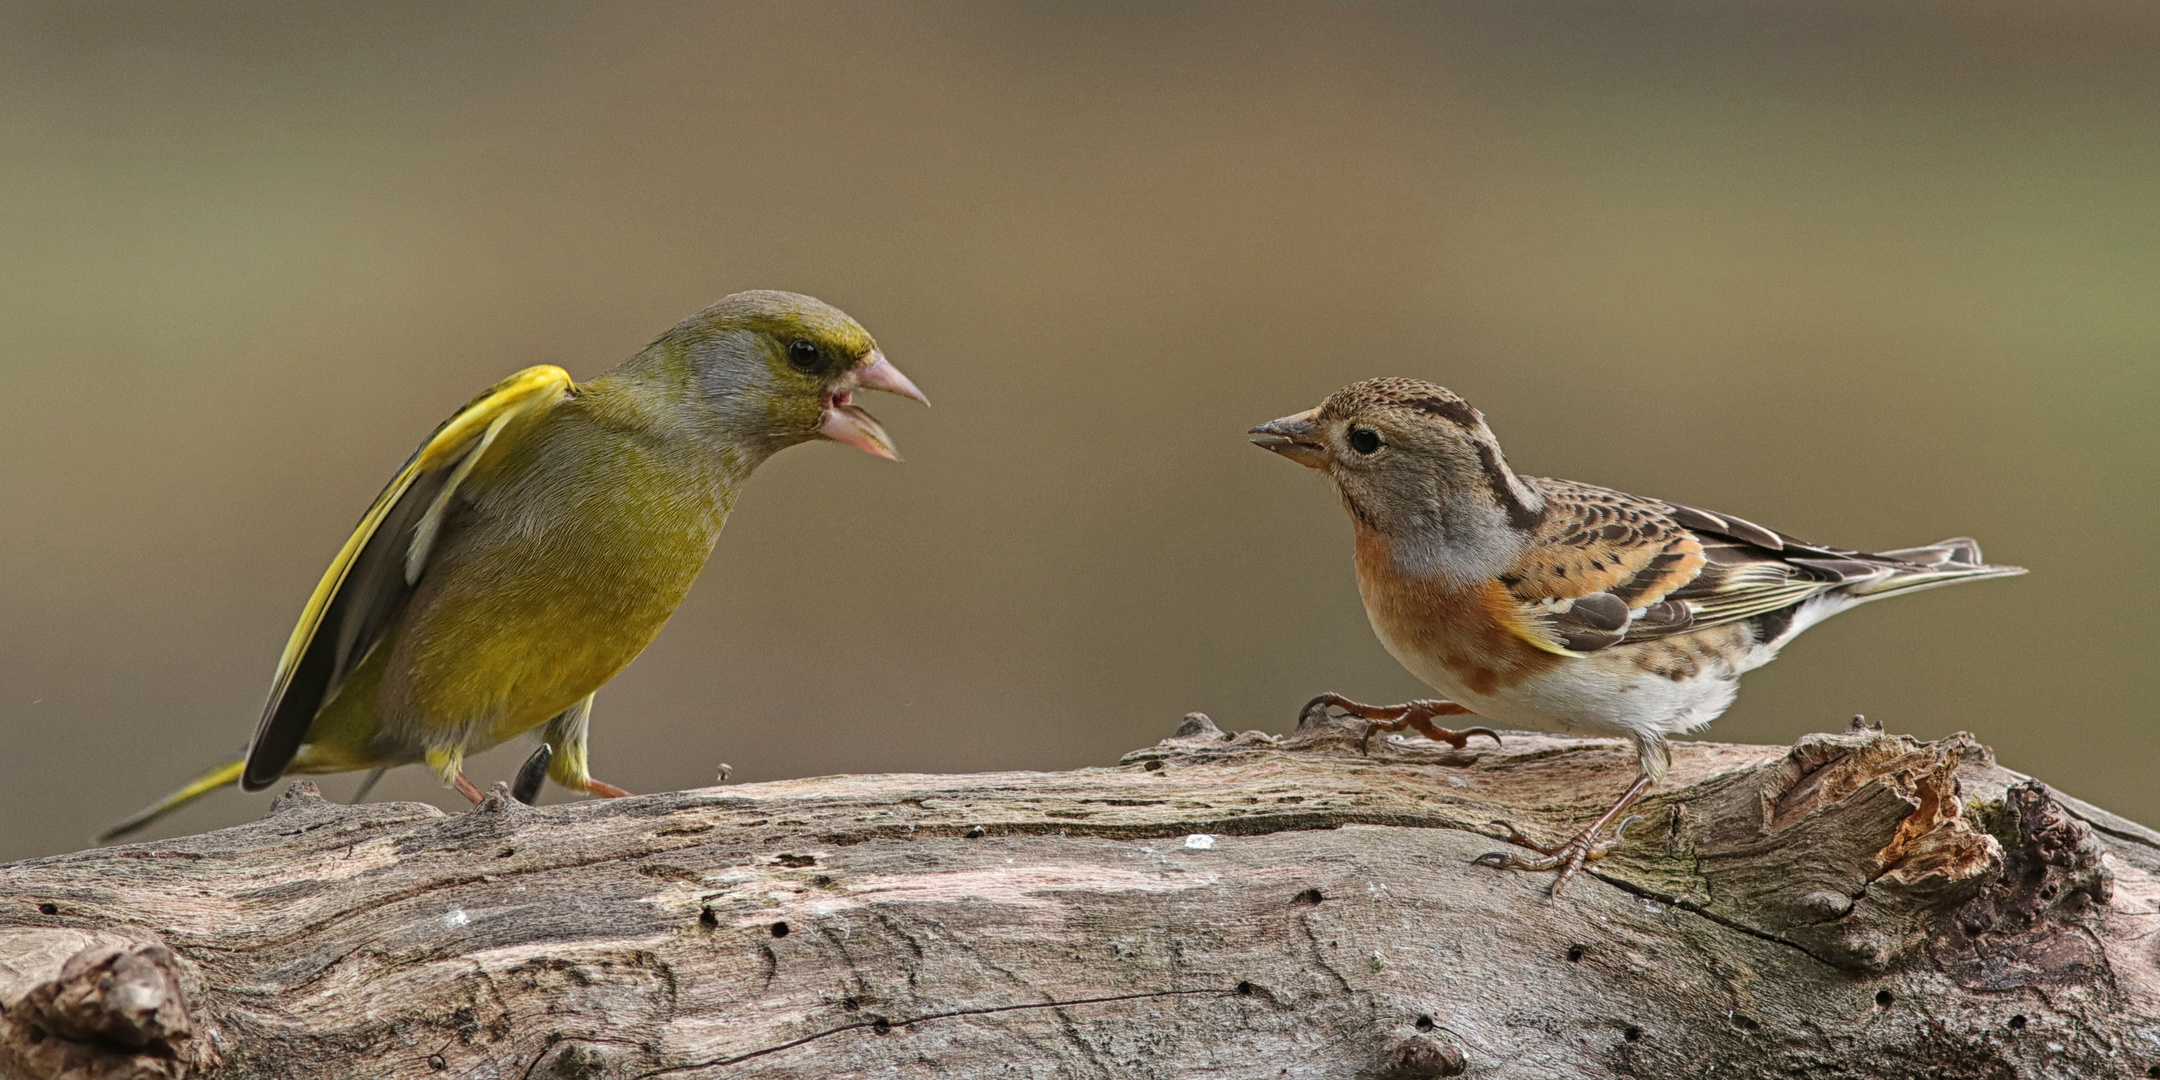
(538, 541)
(1558, 605)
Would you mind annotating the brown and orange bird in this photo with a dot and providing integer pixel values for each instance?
(1558, 605)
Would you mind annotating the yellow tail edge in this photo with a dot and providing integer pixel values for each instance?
(222, 776)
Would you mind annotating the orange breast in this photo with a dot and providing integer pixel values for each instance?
(1478, 633)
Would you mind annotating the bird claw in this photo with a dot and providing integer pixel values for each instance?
(1461, 739)
(1378, 718)
(1566, 858)
(1619, 834)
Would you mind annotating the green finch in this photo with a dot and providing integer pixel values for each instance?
(537, 542)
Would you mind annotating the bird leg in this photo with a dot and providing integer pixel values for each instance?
(467, 788)
(1570, 856)
(604, 789)
(1411, 714)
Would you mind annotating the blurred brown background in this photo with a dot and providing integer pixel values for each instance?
(1875, 274)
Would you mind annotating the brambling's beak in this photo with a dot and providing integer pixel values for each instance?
(1295, 437)
(846, 422)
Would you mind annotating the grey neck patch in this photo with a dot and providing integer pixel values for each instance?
(1466, 544)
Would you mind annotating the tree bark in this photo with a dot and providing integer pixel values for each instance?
(1857, 905)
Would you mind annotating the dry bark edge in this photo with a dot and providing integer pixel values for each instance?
(1858, 904)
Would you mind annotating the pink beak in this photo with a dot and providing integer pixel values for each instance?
(846, 422)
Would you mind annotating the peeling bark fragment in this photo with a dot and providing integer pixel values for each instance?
(1853, 847)
(113, 1012)
(2026, 926)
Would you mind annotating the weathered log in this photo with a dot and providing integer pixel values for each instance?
(1859, 904)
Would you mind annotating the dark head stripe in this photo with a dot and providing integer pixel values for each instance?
(1447, 408)
(1519, 514)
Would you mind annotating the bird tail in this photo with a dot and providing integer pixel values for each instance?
(1939, 563)
(222, 776)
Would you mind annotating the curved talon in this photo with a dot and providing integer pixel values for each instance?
(1605, 847)
(1461, 741)
(1372, 728)
(1320, 705)
(1511, 860)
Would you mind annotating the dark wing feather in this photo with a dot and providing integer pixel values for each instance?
(1670, 569)
(374, 575)
(371, 594)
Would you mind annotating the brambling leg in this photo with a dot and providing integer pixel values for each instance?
(604, 789)
(1569, 857)
(1520, 838)
(467, 788)
(1458, 739)
(1413, 714)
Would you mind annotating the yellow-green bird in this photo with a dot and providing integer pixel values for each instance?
(537, 542)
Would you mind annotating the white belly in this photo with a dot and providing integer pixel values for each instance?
(1606, 693)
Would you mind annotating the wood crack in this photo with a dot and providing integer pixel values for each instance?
(881, 1024)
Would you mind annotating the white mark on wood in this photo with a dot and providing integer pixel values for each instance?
(1199, 841)
(1022, 887)
(456, 918)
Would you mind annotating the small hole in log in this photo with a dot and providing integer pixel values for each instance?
(1309, 896)
(1244, 988)
(506, 853)
(1575, 954)
(48, 909)
(1424, 1023)
(1632, 1034)
(796, 860)
(881, 1025)
(2152, 1070)
(1153, 766)
(2017, 1023)
(779, 929)
(850, 1004)
(436, 1062)
(1884, 998)
(1745, 1022)
(976, 832)
(707, 919)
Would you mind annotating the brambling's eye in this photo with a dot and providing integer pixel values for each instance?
(1364, 440)
(802, 355)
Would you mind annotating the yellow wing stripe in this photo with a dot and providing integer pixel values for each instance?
(221, 776)
(508, 398)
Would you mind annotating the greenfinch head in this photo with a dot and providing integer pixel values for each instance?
(784, 368)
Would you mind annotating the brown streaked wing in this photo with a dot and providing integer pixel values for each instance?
(1593, 539)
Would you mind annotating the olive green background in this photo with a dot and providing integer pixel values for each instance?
(1871, 273)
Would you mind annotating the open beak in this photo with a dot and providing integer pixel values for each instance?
(1295, 437)
(846, 422)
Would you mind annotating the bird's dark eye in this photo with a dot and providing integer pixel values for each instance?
(802, 355)
(1364, 440)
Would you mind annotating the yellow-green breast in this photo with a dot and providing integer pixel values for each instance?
(568, 553)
